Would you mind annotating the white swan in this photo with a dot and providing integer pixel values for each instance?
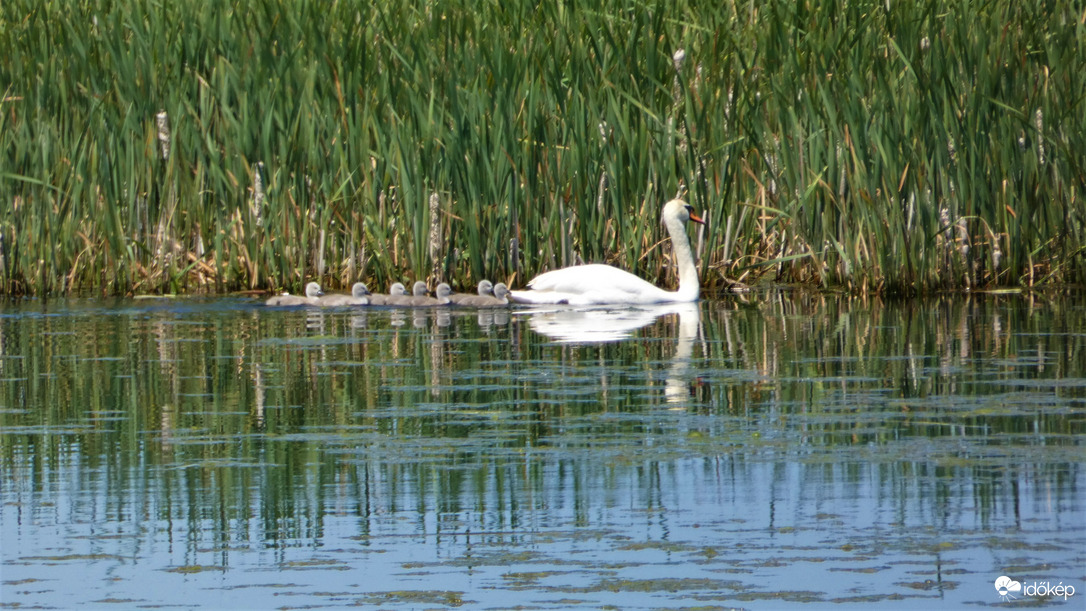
(603, 284)
(313, 294)
(359, 296)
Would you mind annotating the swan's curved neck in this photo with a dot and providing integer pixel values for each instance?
(689, 285)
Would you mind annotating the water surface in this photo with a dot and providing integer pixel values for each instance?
(758, 452)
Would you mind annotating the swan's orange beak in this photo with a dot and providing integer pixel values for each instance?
(696, 218)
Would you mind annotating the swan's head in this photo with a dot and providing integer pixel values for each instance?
(397, 288)
(681, 211)
(485, 288)
(359, 290)
(501, 291)
(313, 290)
(443, 290)
(419, 289)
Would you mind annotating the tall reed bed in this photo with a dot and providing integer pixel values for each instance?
(886, 146)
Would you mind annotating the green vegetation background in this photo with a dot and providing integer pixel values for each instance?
(870, 145)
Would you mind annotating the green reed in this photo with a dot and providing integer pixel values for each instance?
(897, 147)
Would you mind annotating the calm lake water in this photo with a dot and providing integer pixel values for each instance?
(764, 451)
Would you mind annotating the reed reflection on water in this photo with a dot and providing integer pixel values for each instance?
(613, 455)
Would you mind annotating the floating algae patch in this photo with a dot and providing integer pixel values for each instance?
(20, 582)
(860, 569)
(315, 563)
(526, 579)
(195, 568)
(664, 546)
(656, 585)
(929, 584)
(792, 596)
(418, 597)
(252, 586)
(504, 558)
(868, 599)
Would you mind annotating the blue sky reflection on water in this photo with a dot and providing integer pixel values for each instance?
(211, 453)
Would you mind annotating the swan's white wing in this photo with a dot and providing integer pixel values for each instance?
(584, 278)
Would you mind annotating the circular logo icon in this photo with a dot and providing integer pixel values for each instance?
(1006, 586)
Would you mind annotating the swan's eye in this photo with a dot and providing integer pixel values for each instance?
(689, 209)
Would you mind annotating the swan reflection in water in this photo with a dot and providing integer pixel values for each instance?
(596, 325)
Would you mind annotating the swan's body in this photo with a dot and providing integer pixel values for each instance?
(359, 296)
(499, 298)
(485, 289)
(396, 290)
(313, 294)
(596, 283)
